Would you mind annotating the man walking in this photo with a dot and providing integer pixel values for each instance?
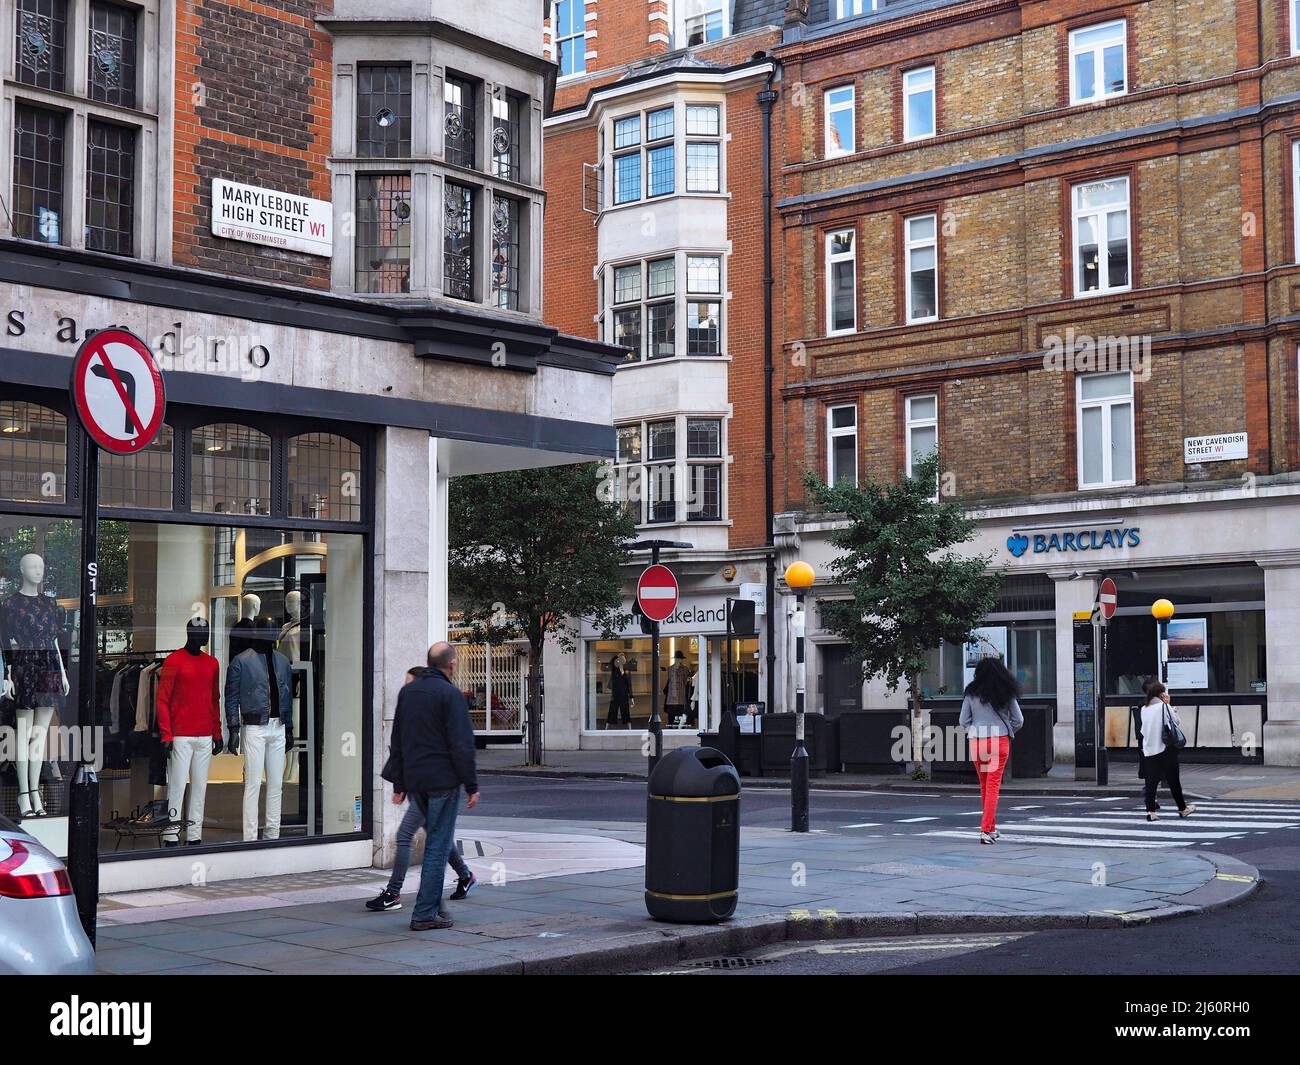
(431, 757)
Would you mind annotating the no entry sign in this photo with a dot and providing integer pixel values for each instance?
(117, 391)
(1107, 597)
(656, 593)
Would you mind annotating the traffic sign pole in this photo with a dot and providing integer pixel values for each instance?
(656, 725)
(118, 395)
(83, 822)
(1107, 599)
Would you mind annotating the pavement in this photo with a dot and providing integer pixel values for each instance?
(1199, 781)
(565, 896)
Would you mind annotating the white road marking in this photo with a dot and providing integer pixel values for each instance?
(913, 820)
(865, 824)
(1063, 825)
(1065, 841)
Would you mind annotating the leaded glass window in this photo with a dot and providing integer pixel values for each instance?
(110, 188)
(38, 174)
(458, 242)
(40, 43)
(384, 111)
(505, 252)
(383, 248)
(111, 70)
(458, 122)
(324, 477)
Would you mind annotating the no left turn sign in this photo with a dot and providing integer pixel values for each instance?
(117, 391)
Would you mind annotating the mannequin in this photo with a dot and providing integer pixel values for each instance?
(189, 725)
(36, 677)
(291, 634)
(259, 718)
(240, 639)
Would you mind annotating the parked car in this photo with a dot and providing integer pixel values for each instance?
(40, 930)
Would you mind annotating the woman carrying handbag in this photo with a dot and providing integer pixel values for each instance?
(1162, 739)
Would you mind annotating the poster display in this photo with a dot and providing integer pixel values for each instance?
(989, 642)
(1186, 651)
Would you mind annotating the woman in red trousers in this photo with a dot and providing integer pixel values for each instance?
(990, 713)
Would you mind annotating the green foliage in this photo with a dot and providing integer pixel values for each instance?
(532, 550)
(910, 590)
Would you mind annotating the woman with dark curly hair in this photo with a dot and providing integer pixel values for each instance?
(990, 714)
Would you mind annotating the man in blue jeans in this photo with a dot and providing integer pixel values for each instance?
(431, 757)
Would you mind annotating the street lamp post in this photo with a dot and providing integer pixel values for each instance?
(799, 577)
(1162, 610)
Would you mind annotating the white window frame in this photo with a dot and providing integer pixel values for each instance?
(909, 92)
(641, 473)
(912, 423)
(1098, 62)
(834, 433)
(911, 245)
(1101, 229)
(851, 105)
(831, 259)
(853, 8)
(690, 10)
(683, 295)
(1293, 10)
(579, 8)
(1295, 190)
(1107, 460)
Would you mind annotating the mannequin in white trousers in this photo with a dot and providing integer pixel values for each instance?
(190, 760)
(263, 752)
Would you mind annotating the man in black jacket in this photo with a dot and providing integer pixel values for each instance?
(431, 757)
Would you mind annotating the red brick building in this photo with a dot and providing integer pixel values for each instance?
(1057, 242)
(656, 219)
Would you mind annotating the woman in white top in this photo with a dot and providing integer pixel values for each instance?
(1158, 759)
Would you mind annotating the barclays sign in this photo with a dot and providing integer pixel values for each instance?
(1072, 541)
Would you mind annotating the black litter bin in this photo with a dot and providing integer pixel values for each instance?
(692, 839)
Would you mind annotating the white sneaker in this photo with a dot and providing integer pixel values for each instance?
(987, 837)
(996, 835)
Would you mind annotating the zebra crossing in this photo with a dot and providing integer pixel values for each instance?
(1108, 826)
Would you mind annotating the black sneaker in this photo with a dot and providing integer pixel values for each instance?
(464, 885)
(429, 923)
(386, 900)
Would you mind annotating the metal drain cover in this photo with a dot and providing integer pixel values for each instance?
(731, 963)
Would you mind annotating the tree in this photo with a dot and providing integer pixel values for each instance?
(532, 553)
(910, 590)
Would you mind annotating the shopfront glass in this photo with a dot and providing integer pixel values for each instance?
(696, 679)
(193, 618)
(1030, 655)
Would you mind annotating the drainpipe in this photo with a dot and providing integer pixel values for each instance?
(766, 101)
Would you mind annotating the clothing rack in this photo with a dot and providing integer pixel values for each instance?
(136, 654)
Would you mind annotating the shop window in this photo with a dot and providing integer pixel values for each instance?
(38, 174)
(505, 253)
(324, 477)
(1101, 236)
(460, 122)
(506, 125)
(458, 242)
(143, 480)
(383, 111)
(110, 188)
(1104, 417)
(383, 248)
(842, 445)
(33, 453)
(1098, 56)
(40, 43)
(839, 110)
(230, 470)
(112, 61)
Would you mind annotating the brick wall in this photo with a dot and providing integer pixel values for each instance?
(1210, 211)
(253, 105)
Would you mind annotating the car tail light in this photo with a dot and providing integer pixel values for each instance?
(31, 872)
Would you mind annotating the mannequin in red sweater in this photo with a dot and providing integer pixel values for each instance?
(189, 723)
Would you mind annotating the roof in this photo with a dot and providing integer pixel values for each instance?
(751, 14)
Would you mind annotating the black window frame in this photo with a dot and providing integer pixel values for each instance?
(115, 240)
(58, 121)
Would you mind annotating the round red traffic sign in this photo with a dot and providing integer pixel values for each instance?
(117, 391)
(656, 593)
(1107, 597)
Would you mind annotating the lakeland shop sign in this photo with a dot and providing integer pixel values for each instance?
(1070, 541)
(276, 219)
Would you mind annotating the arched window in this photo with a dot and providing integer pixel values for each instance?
(142, 480)
(324, 477)
(230, 470)
(33, 453)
